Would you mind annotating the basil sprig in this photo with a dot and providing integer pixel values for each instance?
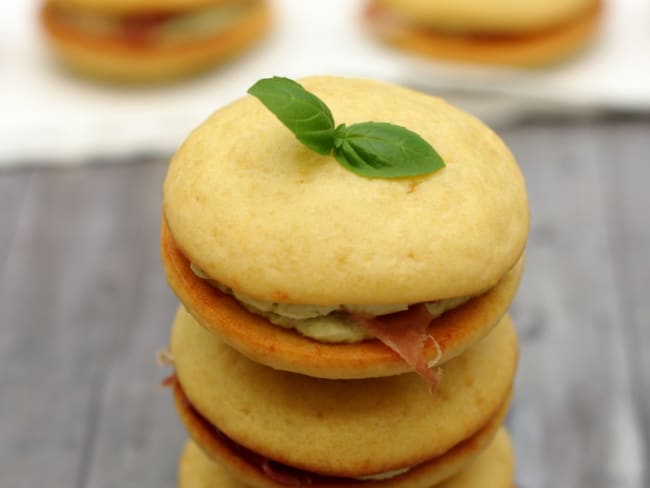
(370, 149)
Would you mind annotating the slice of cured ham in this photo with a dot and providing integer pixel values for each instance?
(142, 29)
(407, 334)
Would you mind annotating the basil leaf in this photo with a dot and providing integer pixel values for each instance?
(383, 150)
(303, 113)
(370, 149)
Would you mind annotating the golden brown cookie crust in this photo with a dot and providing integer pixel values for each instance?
(119, 60)
(197, 470)
(493, 468)
(487, 16)
(535, 48)
(428, 473)
(131, 7)
(383, 424)
(260, 213)
(285, 349)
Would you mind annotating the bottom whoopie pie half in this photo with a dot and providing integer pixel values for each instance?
(145, 45)
(339, 428)
(260, 472)
(492, 468)
(447, 335)
(536, 48)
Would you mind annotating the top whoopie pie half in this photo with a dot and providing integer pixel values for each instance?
(301, 264)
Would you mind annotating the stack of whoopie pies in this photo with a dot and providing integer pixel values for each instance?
(339, 330)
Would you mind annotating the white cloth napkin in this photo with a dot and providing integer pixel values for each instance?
(50, 117)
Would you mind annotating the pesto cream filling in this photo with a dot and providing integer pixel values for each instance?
(384, 476)
(193, 25)
(324, 323)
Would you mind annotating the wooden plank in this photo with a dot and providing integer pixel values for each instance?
(14, 186)
(39, 355)
(84, 306)
(625, 167)
(574, 420)
(70, 295)
(138, 436)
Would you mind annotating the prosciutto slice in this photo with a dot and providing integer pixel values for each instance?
(169, 382)
(407, 334)
(283, 475)
(142, 29)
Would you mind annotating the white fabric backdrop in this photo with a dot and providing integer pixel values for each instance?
(50, 117)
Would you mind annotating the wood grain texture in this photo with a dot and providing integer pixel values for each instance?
(13, 188)
(84, 307)
(626, 166)
(576, 415)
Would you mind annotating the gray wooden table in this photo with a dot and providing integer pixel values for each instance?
(84, 308)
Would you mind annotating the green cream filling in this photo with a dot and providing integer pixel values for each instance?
(200, 24)
(327, 323)
(385, 476)
(190, 26)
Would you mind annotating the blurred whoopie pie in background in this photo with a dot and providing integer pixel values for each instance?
(533, 33)
(144, 41)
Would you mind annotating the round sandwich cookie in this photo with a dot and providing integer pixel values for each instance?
(530, 33)
(384, 425)
(304, 265)
(143, 41)
(259, 471)
(493, 468)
